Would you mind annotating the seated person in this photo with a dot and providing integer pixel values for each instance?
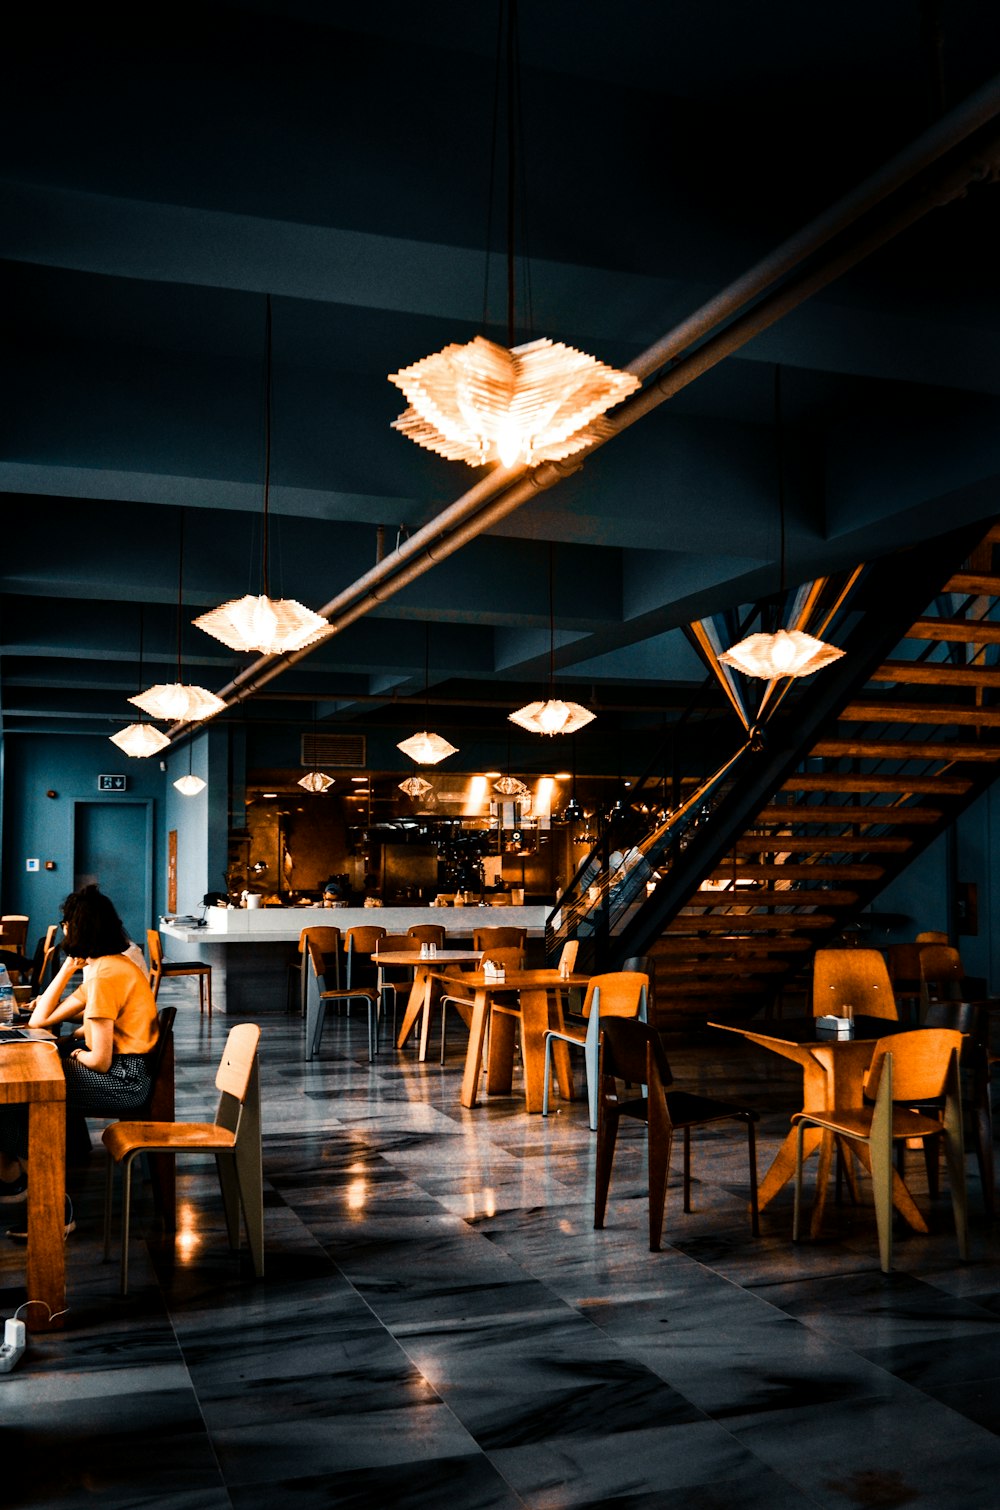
(107, 1072)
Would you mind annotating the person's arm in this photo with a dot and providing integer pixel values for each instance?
(102, 1044)
(48, 1009)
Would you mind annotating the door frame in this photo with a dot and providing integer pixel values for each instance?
(110, 801)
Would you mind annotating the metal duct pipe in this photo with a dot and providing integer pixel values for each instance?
(504, 491)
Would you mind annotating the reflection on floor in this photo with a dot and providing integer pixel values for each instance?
(440, 1325)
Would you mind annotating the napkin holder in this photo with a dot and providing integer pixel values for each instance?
(835, 1027)
(492, 972)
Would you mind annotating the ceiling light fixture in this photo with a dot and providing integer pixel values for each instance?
(554, 716)
(270, 626)
(140, 740)
(174, 700)
(315, 781)
(427, 748)
(785, 652)
(517, 405)
(189, 785)
(415, 787)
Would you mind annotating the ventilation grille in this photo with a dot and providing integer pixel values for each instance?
(345, 750)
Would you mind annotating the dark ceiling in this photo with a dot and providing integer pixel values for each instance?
(167, 167)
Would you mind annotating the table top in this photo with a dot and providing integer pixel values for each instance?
(30, 1071)
(803, 1030)
(414, 957)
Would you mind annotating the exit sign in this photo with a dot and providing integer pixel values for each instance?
(112, 783)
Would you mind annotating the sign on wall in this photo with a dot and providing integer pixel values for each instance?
(112, 783)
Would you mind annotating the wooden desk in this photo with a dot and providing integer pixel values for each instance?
(534, 989)
(32, 1074)
(833, 1071)
(426, 975)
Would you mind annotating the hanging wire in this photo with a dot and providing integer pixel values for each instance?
(180, 586)
(780, 462)
(267, 449)
(507, 75)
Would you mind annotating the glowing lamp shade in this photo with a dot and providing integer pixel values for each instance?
(178, 702)
(268, 625)
(552, 717)
(415, 787)
(316, 781)
(426, 748)
(509, 786)
(189, 786)
(789, 652)
(140, 740)
(482, 402)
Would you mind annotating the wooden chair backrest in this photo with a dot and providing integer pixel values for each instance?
(941, 971)
(510, 957)
(501, 938)
(920, 1062)
(428, 933)
(904, 962)
(14, 928)
(392, 941)
(568, 954)
(238, 1058)
(160, 1063)
(631, 1050)
(328, 939)
(155, 946)
(933, 936)
(51, 937)
(857, 978)
(619, 994)
(364, 939)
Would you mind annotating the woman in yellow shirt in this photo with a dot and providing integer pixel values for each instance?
(107, 1073)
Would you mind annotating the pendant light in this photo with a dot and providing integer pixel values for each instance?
(427, 748)
(174, 700)
(189, 785)
(140, 740)
(553, 716)
(315, 781)
(271, 626)
(415, 787)
(786, 652)
(516, 405)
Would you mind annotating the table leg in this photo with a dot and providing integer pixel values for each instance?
(783, 1166)
(474, 1053)
(534, 1021)
(500, 1056)
(415, 1005)
(46, 1257)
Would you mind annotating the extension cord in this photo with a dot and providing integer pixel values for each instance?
(13, 1345)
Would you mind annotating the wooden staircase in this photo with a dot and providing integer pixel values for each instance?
(908, 751)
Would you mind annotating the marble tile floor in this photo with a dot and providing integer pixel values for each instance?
(441, 1326)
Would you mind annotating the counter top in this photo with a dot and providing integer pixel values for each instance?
(261, 925)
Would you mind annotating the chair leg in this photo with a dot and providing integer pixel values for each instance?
(660, 1139)
(880, 1150)
(109, 1185)
(547, 1077)
(954, 1151)
(126, 1217)
(754, 1204)
(591, 1059)
(607, 1134)
(687, 1170)
(797, 1209)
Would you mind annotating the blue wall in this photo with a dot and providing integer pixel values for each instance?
(202, 822)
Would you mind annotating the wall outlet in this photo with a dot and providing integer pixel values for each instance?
(31, 864)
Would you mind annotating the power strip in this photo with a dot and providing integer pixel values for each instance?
(13, 1345)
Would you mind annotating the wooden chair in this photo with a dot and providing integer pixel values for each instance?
(428, 933)
(14, 931)
(631, 1051)
(499, 938)
(970, 1019)
(319, 997)
(942, 976)
(388, 977)
(906, 1069)
(360, 945)
(851, 983)
(329, 942)
(903, 962)
(161, 969)
(511, 958)
(932, 936)
(234, 1137)
(620, 994)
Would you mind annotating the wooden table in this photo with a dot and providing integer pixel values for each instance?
(426, 973)
(535, 989)
(833, 1071)
(32, 1074)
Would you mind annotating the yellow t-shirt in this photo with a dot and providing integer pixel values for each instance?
(113, 987)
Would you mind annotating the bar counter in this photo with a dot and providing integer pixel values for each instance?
(250, 949)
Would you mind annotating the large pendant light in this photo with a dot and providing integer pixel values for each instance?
(189, 785)
(270, 626)
(516, 405)
(425, 747)
(554, 715)
(415, 787)
(140, 740)
(785, 652)
(175, 700)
